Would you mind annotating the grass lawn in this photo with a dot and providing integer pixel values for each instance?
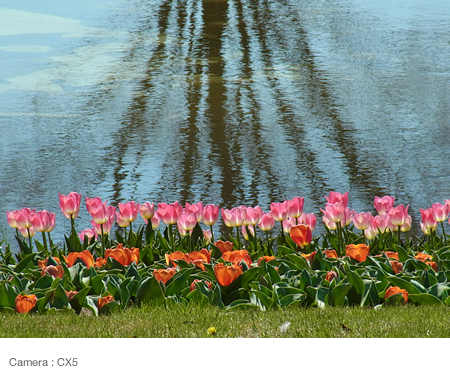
(193, 322)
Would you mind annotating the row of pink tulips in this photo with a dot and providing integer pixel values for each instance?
(289, 213)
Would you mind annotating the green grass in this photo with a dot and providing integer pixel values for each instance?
(192, 322)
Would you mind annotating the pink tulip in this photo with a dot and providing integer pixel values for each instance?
(348, 215)
(196, 209)
(439, 212)
(181, 230)
(187, 221)
(155, 221)
(384, 204)
(244, 231)
(397, 215)
(11, 219)
(427, 219)
(381, 222)
(94, 202)
(308, 219)
(102, 213)
(362, 220)
(147, 210)
(335, 197)
(43, 221)
(24, 217)
(107, 225)
(288, 224)
(207, 235)
(210, 214)
(406, 226)
(267, 222)
(427, 230)
(253, 216)
(70, 204)
(169, 213)
(89, 232)
(129, 211)
(233, 217)
(371, 232)
(328, 223)
(24, 231)
(280, 211)
(121, 221)
(334, 212)
(296, 206)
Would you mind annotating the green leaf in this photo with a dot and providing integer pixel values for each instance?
(7, 296)
(439, 290)
(59, 299)
(150, 291)
(110, 307)
(240, 305)
(274, 276)
(402, 253)
(216, 297)
(424, 299)
(259, 299)
(179, 282)
(290, 299)
(78, 300)
(44, 282)
(91, 304)
(337, 296)
(356, 281)
(403, 284)
(394, 300)
(305, 279)
(27, 260)
(300, 261)
(240, 293)
(249, 276)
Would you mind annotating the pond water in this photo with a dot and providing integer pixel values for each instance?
(230, 102)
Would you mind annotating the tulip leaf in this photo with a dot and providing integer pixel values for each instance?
(198, 297)
(25, 262)
(97, 283)
(109, 308)
(179, 282)
(370, 296)
(7, 295)
(403, 284)
(300, 261)
(42, 302)
(305, 280)
(216, 297)
(59, 299)
(424, 299)
(240, 305)
(216, 252)
(337, 296)
(240, 293)
(249, 276)
(73, 242)
(274, 276)
(394, 300)
(44, 282)
(356, 281)
(78, 300)
(439, 290)
(90, 304)
(150, 291)
(290, 299)
(261, 300)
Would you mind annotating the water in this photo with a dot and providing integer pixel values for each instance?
(231, 102)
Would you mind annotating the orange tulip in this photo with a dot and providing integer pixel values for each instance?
(358, 252)
(104, 300)
(164, 275)
(71, 294)
(331, 253)
(208, 284)
(266, 259)
(55, 271)
(100, 262)
(224, 246)
(423, 257)
(392, 255)
(198, 258)
(25, 303)
(43, 263)
(396, 290)
(432, 264)
(236, 256)
(125, 256)
(331, 275)
(86, 256)
(301, 235)
(397, 266)
(309, 256)
(227, 274)
(177, 255)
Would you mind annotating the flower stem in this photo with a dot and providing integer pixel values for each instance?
(238, 238)
(29, 238)
(443, 233)
(44, 241)
(103, 241)
(212, 233)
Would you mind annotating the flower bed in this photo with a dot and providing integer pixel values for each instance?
(361, 260)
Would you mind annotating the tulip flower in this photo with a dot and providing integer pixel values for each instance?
(43, 221)
(370, 233)
(288, 224)
(43, 263)
(120, 221)
(397, 266)
(301, 235)
(100, 262)
(198, 258)
(280, 211)
(267, 222)
(384, 204)
(432, 264)
(309, 256)
(129, 211)
(334, 212)
(329, 224)
(392, 290)
(392, 255)
(348, 216)
(94, 202)
(164, 275)
(70, 205)
(423, 257)
(101, 214)
(71, 294)
(85, 256)
(406, 226)
(207, 283)
(397, 215)
(187, 221)
(225, 275)
(237, 256)
(253, 215)
(196, 209)
(224, 246)
(358, 252)
(169, 213)
(308, 219)
(104, 300)
(24, 217)
(266, 259)
(428, 224)
(244, 231)
(331, 253)
(207, 235)
(210, 214)
(335, 197)
(331, 275)
(147, 210)
(55, 271)
(381, 222)
(27, 232)
(177, 255)
(155, 221)
(24, 303)
(439, 212)
(233, 217)
(362, 220)
(296, 206)
(11, 219)
(125, 256)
